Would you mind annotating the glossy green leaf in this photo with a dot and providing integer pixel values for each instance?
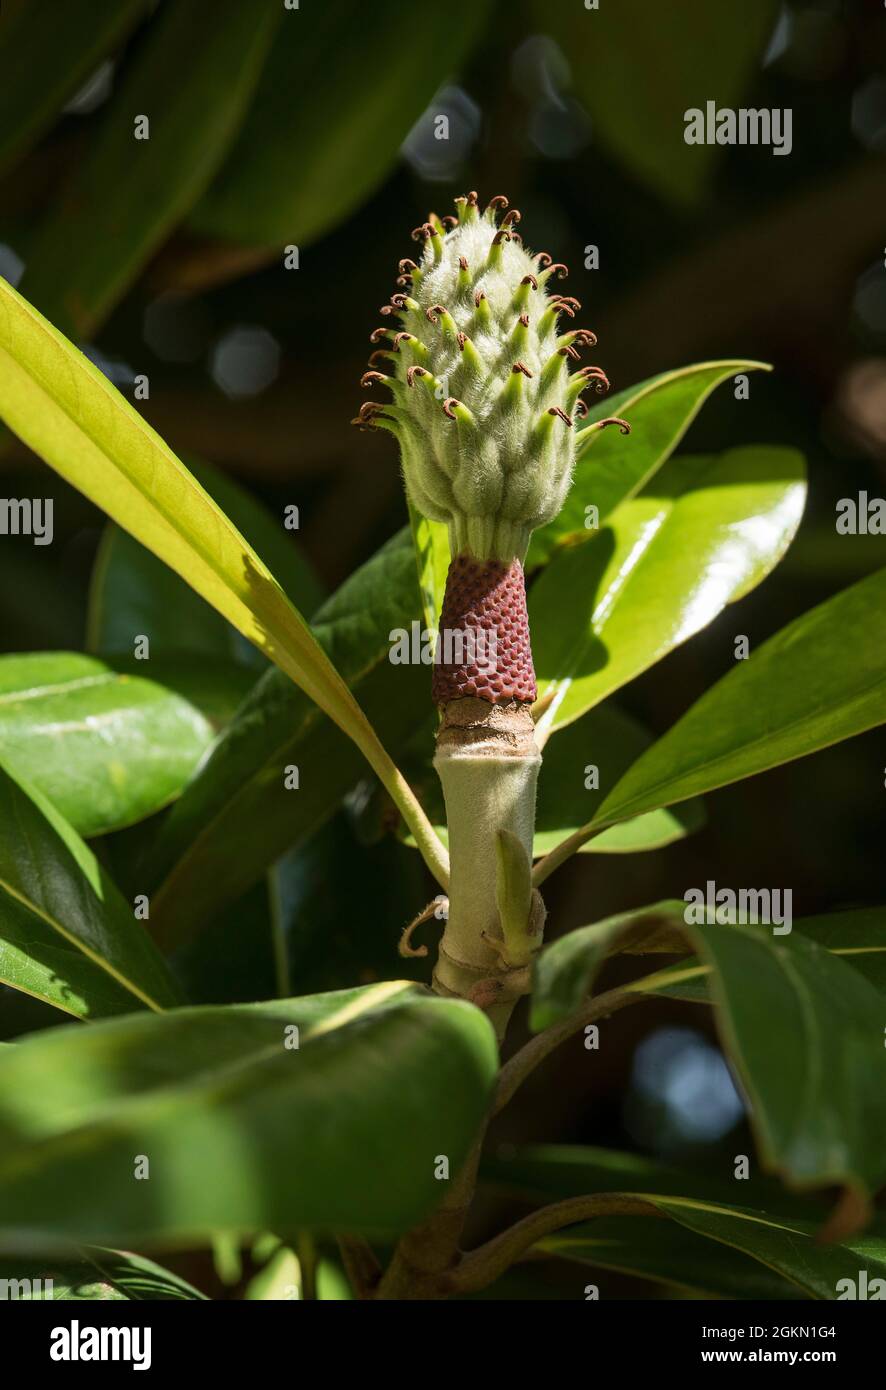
(704, 532)
(377, 80)
(238, 816)
(107, 749)
(47, 51)
(191, 78)
(638, 68)
(821, 679)
(66, 934)
(64, 409)
(132, 593)
(817, 1112)
(612, 467)
(243, 1130)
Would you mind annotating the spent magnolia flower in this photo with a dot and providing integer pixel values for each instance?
(484, 394)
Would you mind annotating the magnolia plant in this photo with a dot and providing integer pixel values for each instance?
(165, 800)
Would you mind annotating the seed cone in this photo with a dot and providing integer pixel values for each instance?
(481, 376)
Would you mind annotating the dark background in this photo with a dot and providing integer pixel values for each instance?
(704, 253)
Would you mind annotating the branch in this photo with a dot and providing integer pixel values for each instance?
(566, 848)
(482, 1267)
(515, 1072)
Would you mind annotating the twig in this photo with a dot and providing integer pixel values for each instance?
(515, 1072)
(482, 1267)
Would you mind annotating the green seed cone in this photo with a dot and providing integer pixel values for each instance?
(482, 381)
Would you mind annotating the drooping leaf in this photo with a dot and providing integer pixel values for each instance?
(705, 531)
(637, 100)
(132, 593)
(816, 1113)
(47, 51)
(242, 1129)
(238, 816)
(732, 1223)
(857, 937)
(66, 934)
(611, 467)
(666, 1254)
(819, 680)
(107, 749)
(68, 412)
(374, 89)
(191, 80)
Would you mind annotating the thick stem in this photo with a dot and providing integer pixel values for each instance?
(488, 762)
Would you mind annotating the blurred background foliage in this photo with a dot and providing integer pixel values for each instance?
(235, 260)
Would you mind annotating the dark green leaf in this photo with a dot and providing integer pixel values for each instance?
(237, 816)
(47, 51)
(241, 1129)
(191, 78)
(377, 78)
(66, 935)
(638, 69)
(753, 1217)
(804, 1032)
(134, 594)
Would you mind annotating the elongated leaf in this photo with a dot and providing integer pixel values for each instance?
(821, 679)
(374, 89)
(637, 100)
(564, 972)
(133, 594)
(67, 412)
(610, 467)
(753, 1218)
(667, 1254)
(106, 749)
(242, 1129)
(46, 52)
(706, 531)
(191, 80)
(237, 816)
(101, 1276)
(816, 1113)
(858, 938)
(66, 935)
